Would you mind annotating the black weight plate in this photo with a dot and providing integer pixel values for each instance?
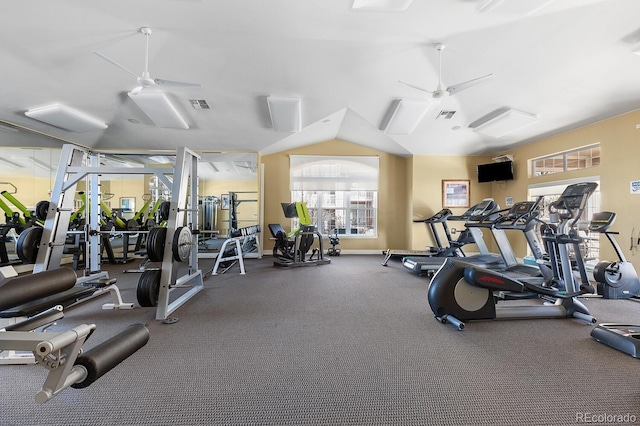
(182, 244)
(149, 288)
(28, 244)
(163, 210)
(149, 245)
(42, 208)
(132, 225)
(155, 244)
(600, 271)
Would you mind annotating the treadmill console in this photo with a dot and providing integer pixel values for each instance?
(518, 216)
(441, 216)
(483, 208)
(521, 208)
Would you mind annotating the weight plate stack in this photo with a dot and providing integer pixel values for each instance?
(155, 244)
(149, 288)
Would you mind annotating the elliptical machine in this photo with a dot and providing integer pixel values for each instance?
(460, 291)
(616, 280)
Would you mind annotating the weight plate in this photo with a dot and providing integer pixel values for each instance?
(182, 244)
(600, 271)
(150, 224)
(28, 244)
(163, 210)
(155, 244)
(132, 225)
(148, 288)
(42, 208)
(149, 244)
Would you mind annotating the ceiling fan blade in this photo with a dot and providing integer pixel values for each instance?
(416, 87)
(170, 83)
(465, 85)
(122, 67)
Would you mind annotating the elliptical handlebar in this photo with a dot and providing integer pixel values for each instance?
(584, 289)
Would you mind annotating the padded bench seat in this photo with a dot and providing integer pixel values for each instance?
(65, 298)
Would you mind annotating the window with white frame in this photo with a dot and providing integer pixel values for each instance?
(579, 158)
(341, 192)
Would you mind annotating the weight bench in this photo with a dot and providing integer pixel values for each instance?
(70, 297)
(61, 352)
(64, 299)
(230, 255)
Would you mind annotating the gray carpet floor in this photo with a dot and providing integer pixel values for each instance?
(350, 343)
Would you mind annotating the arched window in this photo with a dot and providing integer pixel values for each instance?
(341, 192)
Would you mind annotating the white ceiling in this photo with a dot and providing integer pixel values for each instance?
(569, 63)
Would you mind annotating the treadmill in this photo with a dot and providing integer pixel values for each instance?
(523, 217)
(486, 209)
(439, 250)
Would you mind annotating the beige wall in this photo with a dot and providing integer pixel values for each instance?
(428, 173)
(30, 190)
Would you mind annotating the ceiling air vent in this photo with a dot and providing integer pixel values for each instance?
(199, 104)
(447, 115)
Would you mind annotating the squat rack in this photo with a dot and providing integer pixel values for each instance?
(77, 163)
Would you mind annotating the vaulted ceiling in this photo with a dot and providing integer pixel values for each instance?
(568, 64)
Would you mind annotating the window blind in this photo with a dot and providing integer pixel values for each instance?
(333, 173)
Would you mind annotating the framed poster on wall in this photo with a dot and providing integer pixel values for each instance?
(456, 193)
(224, 202)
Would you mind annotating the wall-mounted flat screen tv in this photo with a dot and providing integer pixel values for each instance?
(495, 171)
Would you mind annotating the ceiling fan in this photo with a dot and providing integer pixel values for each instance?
(144, 80)
(440, 92)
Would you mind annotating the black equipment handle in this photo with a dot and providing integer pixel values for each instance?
(103, 358)
(25, 288)
(584, 289)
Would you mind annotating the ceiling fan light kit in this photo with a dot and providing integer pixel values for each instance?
(66, 118)
(286, 114)
(502, 122)
(403, 116)
(158, 107)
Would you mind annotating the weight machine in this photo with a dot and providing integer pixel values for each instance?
(291, 250)
(47, 245)
(61, 353)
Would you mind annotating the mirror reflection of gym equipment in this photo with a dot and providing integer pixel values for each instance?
(240, 229)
